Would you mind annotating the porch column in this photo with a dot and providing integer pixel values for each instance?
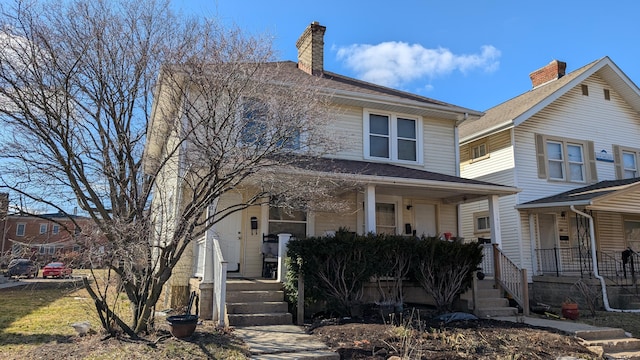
(370, 209)
(208, 253)
(283, 239)
(494, 218)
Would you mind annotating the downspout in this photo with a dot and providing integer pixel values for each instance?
(594, 260)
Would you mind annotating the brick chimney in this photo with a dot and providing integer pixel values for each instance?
(311, 49)
(554, 70)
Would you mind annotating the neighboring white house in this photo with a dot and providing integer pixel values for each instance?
(572, 145)
(400, 150)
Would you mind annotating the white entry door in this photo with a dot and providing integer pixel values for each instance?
(228, 232)
(425, 215)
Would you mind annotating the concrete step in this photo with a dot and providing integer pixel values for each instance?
(601, 334)
(254, 296)
(489, 293)
(253, 284)
(257, 307)
(496, 311)
(260, 319)
(615, 345)
(626, 355)
(492, 302)
(486, 284)
(307, 355)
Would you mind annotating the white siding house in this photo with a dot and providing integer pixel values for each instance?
(572, 144)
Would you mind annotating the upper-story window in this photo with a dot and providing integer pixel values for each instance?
(258, 128)
(479, 151)
(626, 162)
(55, 229)
(567, 160)
(393, 137)
(43, 228)
(20, 229)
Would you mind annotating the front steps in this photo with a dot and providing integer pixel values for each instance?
(491, 302)
(614, 343)
(252, 302)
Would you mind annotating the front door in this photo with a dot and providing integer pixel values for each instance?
(228, 232)
(548, 252)
(425, 219)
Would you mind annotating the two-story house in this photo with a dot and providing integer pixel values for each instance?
(400, 149)
(572, 144)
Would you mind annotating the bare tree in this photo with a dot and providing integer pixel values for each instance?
(83, 86)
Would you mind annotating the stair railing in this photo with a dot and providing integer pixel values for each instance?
(219, 285)
(511, 278)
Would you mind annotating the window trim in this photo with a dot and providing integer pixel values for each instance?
(393, 136)
(479, 146)
(588, 159)
(24, 229)
(55, 229)
(618, 156)
(476, 217)
(43, 228)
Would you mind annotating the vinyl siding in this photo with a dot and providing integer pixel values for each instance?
(497, 167)
(579, 117)
(439, 146)
(331, 221)
(347, 128)
(609, 232)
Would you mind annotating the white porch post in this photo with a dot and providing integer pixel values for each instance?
(283, 239)
(532, 242)
(207, 272)
(494, 218)
(370, 209)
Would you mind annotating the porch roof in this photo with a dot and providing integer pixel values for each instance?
(399, 178)
(610, 195)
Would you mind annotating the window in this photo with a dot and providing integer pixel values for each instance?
(43, 228)
(256, 130)
(632, 233)
(607, 94)
(20, 229)
(585, 90)
(565, 159)
(288, 221)
(479, 151)
(626, 161)
(55, 229)
(481, 223)
(393, 137)
(630, 164)
(385, 218)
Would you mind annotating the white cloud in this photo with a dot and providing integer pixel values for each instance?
(396, 63)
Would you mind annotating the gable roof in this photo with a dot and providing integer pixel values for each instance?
(517, 110)
(352, 91)
(588, 196)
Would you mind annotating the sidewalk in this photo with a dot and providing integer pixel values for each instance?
(568, 326)
(280, 342)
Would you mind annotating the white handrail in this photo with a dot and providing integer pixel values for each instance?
(219, 284)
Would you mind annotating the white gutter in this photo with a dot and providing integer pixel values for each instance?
(594, 260)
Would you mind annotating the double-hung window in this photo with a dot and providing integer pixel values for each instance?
(393, 137)
(261, 127)
(481, 223)
(626, 162)
(43, 228)
(20, 229)
(565, 160)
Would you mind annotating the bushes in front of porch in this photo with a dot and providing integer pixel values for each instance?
(338, 269)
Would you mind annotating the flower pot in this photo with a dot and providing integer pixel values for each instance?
(570, 311)
(182, 326)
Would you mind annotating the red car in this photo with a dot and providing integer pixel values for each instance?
(56, 269)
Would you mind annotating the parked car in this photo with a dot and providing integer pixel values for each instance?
(22, 267)
(56, 269)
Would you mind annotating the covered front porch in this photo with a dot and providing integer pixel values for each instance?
(591, 233)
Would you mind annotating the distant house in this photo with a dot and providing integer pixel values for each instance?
(400, 149)
(572, 144)
(45, 237)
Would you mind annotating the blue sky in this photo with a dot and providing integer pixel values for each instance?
(471, 53)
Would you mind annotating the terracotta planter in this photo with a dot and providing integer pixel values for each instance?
(570, 311)
(182, 326)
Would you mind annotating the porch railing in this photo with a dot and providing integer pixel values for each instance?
(576, 261)
(219, 285)
(511, 278)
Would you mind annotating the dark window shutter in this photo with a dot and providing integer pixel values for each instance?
(617, 160)
(542, 163)
(591, 159)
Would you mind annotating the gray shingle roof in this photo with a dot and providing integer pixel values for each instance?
(511, 109)
(583, 194)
